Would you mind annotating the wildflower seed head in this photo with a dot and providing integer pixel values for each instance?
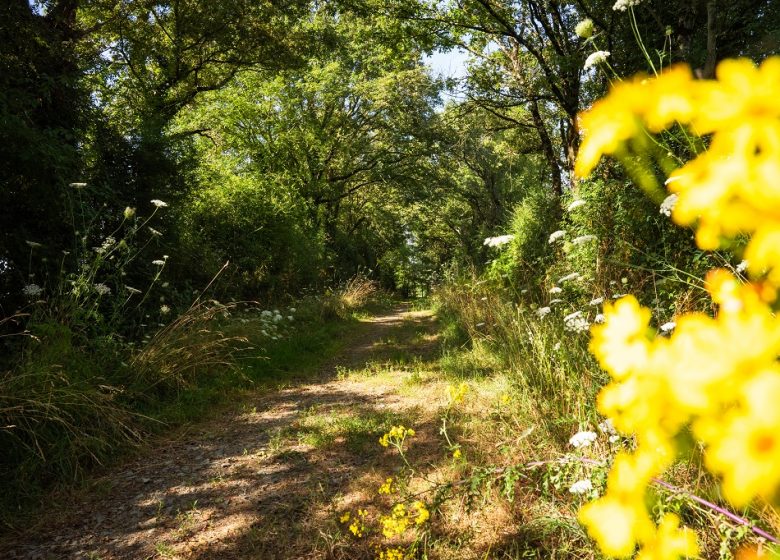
(584, 28)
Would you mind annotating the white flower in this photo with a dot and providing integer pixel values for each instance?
(164, 309)
(575, 322)
(598, 319)
(623, 5)
(132, 290)
(292, 310)
(668, 205)
(266, 313)
(742, 267)
(165, 284)
(32, 290)
(498, 241)
(154, 232)
(33, 244)
(584, 28)
(524, 291)
(575, 204)
(581, 486)
(77, 185)
(583, 239)
(572, 276)
(289, 317)
(555, 290)
(159, 203)
(158, 262)
(582, 439)
(667, 327)
(618, 296)
(557, 346)
(556, 235)
(596, 301)
(102, 289)
(613, 439)
(606, 427)
(598, 57)
(542, 311)
(556, 300)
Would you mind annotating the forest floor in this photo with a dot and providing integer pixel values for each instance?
(269, 478)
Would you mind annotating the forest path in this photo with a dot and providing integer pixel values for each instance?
(267, 480)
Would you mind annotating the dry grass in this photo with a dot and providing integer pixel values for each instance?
(191, 344)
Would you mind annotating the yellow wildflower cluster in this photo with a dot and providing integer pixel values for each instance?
(733, 187)
(391, 554)
(401, 518)
(396, 436)
(456, 393)
(357, 527)
(387, 486)
(719, 375)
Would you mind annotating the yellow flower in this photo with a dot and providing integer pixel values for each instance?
(457, 393)
(396, 436)
(621, 343)
(457, 454)
(745, 447)
(396, 523)
(616, 525)
(387, 487)
(670, 542)
(344, 517)
(422, 512)
(391, 554)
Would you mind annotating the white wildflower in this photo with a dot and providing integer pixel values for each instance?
(542, 311)
(668, 327)
(102, 289)
(159, 203)
(32, 290)
(555, 290)
(557, 346)
(164, 310)
(33, 244)
(556, 300)
(77, 185)
(556, 235)
(623, 5)
(498, 241)
(582, 439)
(289, 317)
(575, 322)
(581, 486)
(165, 284)
(584, 28)
(154, 232)
(599, 318)
(614, 438)
(598, 57)
(158, 262)
(618, 296)
(132, 290)
(583, 239)
(596, 301)
(607, 427)
(292, 310)
(668, 205)
(742, 267)
(575, 204)
(568, 277)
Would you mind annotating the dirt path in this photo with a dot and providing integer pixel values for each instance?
(263, 482)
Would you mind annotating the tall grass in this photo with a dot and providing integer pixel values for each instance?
(551, 370)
